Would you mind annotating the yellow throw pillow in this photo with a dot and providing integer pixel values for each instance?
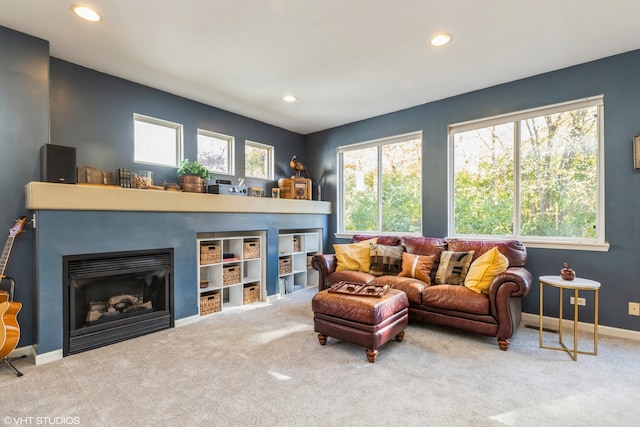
(417, 266)
(354, 256)
(484, 269)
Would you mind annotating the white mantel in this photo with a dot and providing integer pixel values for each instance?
(51, 196)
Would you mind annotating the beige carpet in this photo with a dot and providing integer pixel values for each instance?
(263, 366)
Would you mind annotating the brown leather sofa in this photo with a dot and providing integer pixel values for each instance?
(496, 314)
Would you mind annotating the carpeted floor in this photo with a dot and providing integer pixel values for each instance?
(262, 365)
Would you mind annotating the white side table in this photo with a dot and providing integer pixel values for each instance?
(577, 284)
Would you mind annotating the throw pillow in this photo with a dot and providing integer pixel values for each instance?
(353, 256)
(453, 267)
(484, 269)
(385, 260)
(417, 266)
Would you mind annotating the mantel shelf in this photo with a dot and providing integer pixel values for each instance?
(51, 196)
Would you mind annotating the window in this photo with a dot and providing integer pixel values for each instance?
(535, 175)
(216, 152)
(258, 160)
(380, 186)
(156, 141)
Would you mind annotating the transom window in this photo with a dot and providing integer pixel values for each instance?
(156, 141)
(535, 175)
(380, 185)
(216, 151)
(258, 160)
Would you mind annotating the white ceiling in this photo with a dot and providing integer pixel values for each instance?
(345, 60)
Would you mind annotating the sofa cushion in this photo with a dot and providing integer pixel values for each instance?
(417, 266)
(454, 297)
(484, 269)
(383, 240)
(426, 246)
(453, 267)
(514, 250)
(410, 286)
(385, 259)
(353, 256)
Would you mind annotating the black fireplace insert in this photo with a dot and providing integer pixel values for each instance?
(111, 297)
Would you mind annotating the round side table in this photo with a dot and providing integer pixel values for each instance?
(578, 284)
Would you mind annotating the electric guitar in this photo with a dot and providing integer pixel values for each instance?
(9, 328)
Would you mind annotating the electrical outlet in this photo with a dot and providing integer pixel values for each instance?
(634, 308)
(581, 301)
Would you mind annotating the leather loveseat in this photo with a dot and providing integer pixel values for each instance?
(495, 312)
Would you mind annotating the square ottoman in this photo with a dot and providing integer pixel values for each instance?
(362, 320)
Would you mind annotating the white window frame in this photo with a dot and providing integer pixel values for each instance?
(342, 233)
(176, 127)
(269, 162)
(230, 149)
(597, 244)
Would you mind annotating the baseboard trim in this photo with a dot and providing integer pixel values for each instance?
(187, 321)
(51, 356)
(552, 323)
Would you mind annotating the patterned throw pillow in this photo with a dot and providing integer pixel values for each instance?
(453, 267)
(385, 260)
(417, 266)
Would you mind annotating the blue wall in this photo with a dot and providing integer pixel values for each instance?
(618, 79)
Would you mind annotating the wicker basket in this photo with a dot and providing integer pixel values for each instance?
(210, 303)
(309, 259)
(296, 244)
(210, 253)
(251, 293)
(251, 249)
(285, 266)
(230, 274)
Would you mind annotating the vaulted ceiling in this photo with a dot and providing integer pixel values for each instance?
(344, 60)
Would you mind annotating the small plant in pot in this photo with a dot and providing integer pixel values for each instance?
(192, 176)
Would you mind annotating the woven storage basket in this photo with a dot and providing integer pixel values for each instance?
(210, 253)
(230, 274)
(296, 244)
(284, 265)
(251, 250)
(309, 259)
(210, 303)
(251, 293)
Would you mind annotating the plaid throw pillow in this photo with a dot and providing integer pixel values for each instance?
(385, 260)
(453, 267)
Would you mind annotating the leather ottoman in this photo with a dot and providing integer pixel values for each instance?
(362, 320)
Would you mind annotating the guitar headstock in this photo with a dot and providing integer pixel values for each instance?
(18, 226)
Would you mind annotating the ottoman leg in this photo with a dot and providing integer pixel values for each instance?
(322, 338)
(371, 355)
(400, 336)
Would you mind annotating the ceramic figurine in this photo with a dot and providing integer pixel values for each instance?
(567, 273)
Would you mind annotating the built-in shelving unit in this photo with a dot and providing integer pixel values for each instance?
(295, 250)
(230, 271)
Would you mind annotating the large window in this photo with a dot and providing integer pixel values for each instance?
(258, 160)
(157, 141)
(216, 152)
(381, 185)
(534, 175)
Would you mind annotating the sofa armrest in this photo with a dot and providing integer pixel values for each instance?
(324, 264)
(519, 278)
(515, 282)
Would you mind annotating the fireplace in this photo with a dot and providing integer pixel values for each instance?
(115, 296)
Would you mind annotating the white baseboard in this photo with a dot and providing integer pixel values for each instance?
(187, 321)
(552, 323)
(51, 356)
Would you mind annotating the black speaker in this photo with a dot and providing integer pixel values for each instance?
(58, 164)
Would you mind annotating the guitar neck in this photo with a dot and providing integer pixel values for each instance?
(4, 258)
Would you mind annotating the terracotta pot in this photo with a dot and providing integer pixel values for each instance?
(192, 183)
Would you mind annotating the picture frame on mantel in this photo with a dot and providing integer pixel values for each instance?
(636, 151)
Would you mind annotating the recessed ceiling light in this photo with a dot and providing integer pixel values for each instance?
(440, 39)
(289, 98)
(87, 13)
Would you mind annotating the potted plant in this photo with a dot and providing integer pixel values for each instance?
(192, 176)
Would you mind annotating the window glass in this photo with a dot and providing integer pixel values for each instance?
(215, 151)
(258, 160)
(157, 141)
